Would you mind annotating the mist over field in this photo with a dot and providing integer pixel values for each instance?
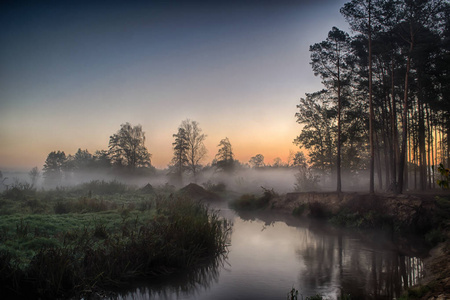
(245, 180)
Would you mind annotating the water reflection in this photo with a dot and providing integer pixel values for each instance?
(187, 284)
(270, 254)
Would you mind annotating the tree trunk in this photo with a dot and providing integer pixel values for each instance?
(371, 114)
(405, 119)
(395, 150)
(338, 158)
(421, 140)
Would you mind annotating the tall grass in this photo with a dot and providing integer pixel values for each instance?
(87, 243)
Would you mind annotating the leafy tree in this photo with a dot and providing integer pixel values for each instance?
(82, 159)
(54, 166)
(101, 159)
(257, 161)
(127, 147)
(277, 162)
(299, 160)
(318, 134)
(225, 156)
(196, 151)
(180, 150)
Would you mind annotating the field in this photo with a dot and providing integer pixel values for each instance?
(66, 242)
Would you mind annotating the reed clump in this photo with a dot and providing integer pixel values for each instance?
(92, 244)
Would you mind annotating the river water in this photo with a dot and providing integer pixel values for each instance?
(269, 255)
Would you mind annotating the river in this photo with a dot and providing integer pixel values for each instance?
(271, 254)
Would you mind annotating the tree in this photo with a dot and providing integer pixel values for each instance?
(34, 175)
(127, 147)
(225, 156)
(257, 161)
(299, 160)
(318, 134)
(277, 162)
(180, 150)
(82, 159)
(54, 166)
(359, 15)
(196, 151)
(101, 159)
(332, 60)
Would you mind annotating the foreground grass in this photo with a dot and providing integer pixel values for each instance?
(70, 245)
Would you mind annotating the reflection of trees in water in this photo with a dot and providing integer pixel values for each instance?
(188, 283)
(345, 264)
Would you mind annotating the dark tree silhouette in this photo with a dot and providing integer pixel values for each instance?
(257, 161)
(332, 60)
(180, 149)
(127, 147)
(359, 15)
(54, 166)
(225, 156)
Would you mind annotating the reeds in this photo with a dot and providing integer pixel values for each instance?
(115, 245)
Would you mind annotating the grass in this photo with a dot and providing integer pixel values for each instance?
(71, 244)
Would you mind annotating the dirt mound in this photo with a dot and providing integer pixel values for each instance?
(148, 189)
(196, 192)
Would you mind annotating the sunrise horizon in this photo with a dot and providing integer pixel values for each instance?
(71, 75)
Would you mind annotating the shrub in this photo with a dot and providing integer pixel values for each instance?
(299, 210)
(251, 202)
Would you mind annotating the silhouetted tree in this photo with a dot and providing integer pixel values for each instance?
(359, 14)
(299, 160)
(196, 149)
(225, 156)
(332, 60)
(127, 147)
(277, 162)
(53, 167)
(180, 160)
(82, 159)
(318, 134)
(257, 161)
(101, 159)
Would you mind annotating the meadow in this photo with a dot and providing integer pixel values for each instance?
(71, 241)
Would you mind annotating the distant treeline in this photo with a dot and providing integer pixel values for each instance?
(128, 155)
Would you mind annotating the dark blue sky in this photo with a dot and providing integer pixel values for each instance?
(72, 72)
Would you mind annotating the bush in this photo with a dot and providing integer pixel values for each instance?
(251, 202)
(299, 210)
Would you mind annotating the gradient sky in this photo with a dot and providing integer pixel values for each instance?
(70, 74)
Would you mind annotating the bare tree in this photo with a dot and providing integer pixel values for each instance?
(196, 151)
(34, 175)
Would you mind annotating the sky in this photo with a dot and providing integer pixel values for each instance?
(71, 72)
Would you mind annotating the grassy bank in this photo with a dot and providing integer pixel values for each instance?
(59, 244)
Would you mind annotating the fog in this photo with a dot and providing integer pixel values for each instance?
(243, 180)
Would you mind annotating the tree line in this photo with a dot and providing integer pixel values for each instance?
(128, 155)
(385, 105)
